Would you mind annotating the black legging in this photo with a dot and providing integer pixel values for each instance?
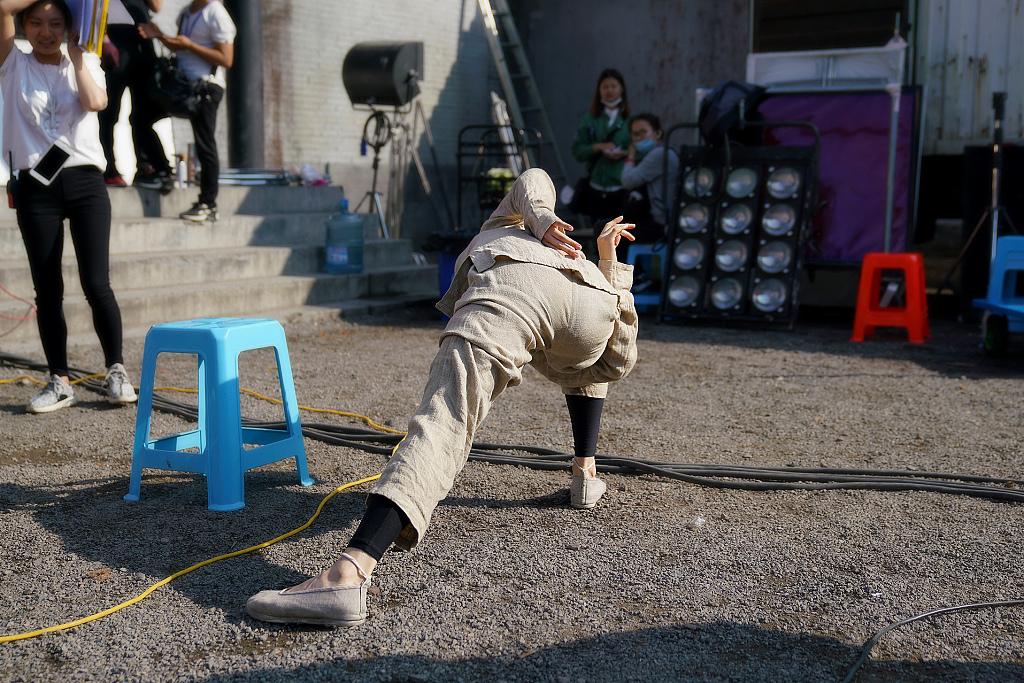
(79, 195)
(383, 520)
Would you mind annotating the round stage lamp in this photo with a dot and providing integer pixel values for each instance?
(784, 182)
(731, 256)
(693, 218)
(774, 257)
(699, 182)
(689, 254)
(735, 219)
(741, 183)
(726, 293)
(683, 291)
(769, 295)
(778, 220)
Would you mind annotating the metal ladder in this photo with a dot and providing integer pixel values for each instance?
(525, 108)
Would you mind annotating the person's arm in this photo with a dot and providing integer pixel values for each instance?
(584, 147)
(91, 95)
(221, 54)
(155, 5)
(648, 170)
(8, 8)
(223, 31)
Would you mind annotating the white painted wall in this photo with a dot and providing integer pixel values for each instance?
(966, 50)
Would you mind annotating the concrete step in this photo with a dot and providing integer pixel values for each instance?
(141, 308)
(348, 309)
(137, 203)
(171, 268)
(150, 235)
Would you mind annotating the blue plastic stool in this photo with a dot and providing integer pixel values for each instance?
(646, 300)
(1006, 268)
(220, 438)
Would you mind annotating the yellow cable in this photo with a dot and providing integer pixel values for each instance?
(41, 383)
(226, 556)
(163, 582)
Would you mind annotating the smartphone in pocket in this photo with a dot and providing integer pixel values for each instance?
(51, 163)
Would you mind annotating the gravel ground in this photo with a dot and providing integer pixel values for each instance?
(664, 581)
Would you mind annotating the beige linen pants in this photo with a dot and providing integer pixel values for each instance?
(511, 313)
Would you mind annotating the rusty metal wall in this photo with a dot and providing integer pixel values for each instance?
(966, 49)
(665, 49)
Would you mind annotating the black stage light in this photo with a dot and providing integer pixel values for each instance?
(738, 236)
(382, 73)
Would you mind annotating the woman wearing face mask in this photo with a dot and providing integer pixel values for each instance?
(601, 143)
(50, 100)
(642, 176)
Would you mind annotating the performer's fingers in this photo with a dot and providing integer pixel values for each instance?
(564, 239)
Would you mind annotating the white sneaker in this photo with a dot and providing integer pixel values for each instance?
(55, 395)
(119, 388)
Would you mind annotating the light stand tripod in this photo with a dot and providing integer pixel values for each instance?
(376, 139)
(995, 210)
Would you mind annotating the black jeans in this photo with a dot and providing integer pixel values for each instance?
(79, 195)
(204, 125)
(133, 71)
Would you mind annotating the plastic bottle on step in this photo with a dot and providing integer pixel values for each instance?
(344, 249)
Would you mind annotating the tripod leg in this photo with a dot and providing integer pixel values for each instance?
(433, 156)
(947, 281)
(380, 215)
(1009, 221)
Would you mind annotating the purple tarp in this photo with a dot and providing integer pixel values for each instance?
(854, 153)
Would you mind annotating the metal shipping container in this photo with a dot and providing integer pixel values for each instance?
(965, 50)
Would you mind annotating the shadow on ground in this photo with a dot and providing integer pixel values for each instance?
(152, 538)
(95, 524)
(716, 651)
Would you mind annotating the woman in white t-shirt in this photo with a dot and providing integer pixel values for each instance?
(205, 48)
(49, 112)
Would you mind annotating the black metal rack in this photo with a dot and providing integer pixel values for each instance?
(482, 148)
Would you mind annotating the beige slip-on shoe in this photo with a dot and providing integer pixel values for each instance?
(330, 606)
(585, 490)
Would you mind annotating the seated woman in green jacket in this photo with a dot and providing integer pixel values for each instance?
(601, 143)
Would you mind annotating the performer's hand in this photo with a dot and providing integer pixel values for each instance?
(613, 232)
(556, 238)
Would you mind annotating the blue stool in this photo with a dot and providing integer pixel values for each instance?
(1006, 268)
(645, 300)
(220, 438)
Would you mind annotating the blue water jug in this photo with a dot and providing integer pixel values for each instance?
(344, 251)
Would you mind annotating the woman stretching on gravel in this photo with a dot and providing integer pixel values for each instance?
(523, 293)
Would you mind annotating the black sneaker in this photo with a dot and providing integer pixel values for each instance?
(161, 182)
(200, 213)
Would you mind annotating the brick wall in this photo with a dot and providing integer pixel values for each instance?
(308, 116)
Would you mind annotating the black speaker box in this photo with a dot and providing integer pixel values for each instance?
(383, 74)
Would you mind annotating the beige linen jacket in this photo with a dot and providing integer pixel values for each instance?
(514, 231)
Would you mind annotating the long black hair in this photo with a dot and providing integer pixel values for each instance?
(61, 6)
(596, 107)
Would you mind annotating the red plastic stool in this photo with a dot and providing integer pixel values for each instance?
(913, 317)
